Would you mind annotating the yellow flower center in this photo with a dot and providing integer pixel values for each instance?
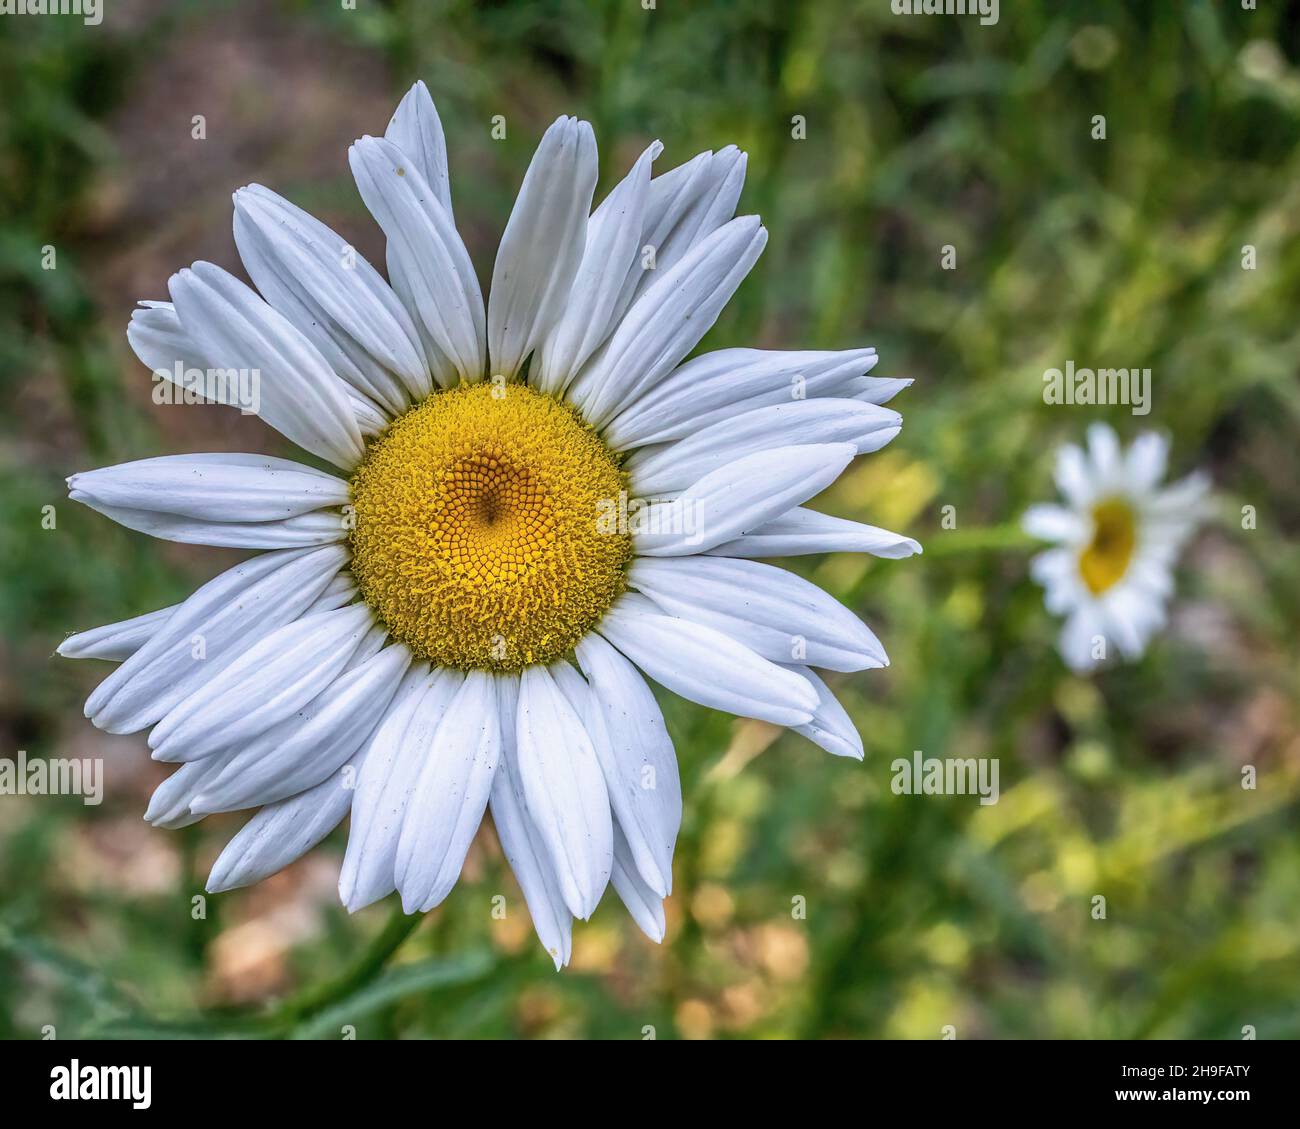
(1114, 535)
(477, 533)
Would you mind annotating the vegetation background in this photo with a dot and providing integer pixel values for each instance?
(922, 131)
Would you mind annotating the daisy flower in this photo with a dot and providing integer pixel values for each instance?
(1111, 571)
(535, 500)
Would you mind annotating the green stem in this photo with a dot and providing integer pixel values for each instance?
(312, 1000)
(994, 538)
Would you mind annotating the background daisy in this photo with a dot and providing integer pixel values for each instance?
(1118, 535)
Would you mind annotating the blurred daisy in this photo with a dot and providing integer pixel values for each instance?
(1117, 536)
(454, 622)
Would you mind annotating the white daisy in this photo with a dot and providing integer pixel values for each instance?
(1117, 536)
(405, 650)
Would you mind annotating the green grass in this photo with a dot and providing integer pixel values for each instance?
(921, 133)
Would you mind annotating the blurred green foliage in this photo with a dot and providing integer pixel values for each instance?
(921, 133)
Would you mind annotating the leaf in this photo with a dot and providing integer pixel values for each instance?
(395, 985)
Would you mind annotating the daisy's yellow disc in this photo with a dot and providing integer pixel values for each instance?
(1105, 559)
(477, 533)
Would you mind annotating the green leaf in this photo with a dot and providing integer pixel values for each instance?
(397, 984)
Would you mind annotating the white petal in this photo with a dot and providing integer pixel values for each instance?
(1074, 477)
(574, 687)
(392, 766)
(1123, 613)
(416, 130)
(169, 806)
(217, 487)
(282, 833)
(1151, 578)
(115, 641)
(321, 527)
(831, 726)
(339, 591)
(686, 205)
(312, 743)
(737, 498)
(800, 531)
(1181, 505)
(643, 903)
(718, 386)
(674, 466)
(522, 843)
(427, 261)
(267, 683)
(637, 759)
(176, 357)
(1057, 570)
(542, 246)
(371, 417)
(706, 666)
(156, 335)
(774, 613)
(1146, 612)
(1146, 460)
(1103, 448)
(298, 394)
(875, 389)
(565, 790)
(371, 644)
(207, 632)
(333, 295)
(668, 320)
(450, 795)
(1077, 635)
(595, 306)
(1054, 523)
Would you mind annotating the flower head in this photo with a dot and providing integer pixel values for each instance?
(1110, 573)
(535, 497)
